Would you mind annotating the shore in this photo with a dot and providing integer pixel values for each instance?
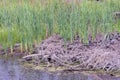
(101, 54)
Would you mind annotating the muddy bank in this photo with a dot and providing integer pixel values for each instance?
(16, 50)
(102, 53)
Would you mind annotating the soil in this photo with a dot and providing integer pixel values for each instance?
(16, 51)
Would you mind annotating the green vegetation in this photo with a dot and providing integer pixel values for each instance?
(30, 21)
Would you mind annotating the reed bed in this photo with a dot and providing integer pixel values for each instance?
(29, 21)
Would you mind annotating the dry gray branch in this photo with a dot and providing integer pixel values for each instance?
(75, 55)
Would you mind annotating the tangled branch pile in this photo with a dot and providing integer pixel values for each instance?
(101, 54)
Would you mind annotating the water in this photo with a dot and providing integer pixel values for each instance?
(10, 69)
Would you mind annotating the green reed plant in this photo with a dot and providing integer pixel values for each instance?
(30, 21)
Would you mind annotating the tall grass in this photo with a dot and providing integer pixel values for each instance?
(30, 21)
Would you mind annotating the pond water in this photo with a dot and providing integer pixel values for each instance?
(10, 69)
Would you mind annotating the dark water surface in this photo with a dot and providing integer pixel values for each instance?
(10, 69)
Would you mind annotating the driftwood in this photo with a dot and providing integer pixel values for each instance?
(102, 55)
(116, 16)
